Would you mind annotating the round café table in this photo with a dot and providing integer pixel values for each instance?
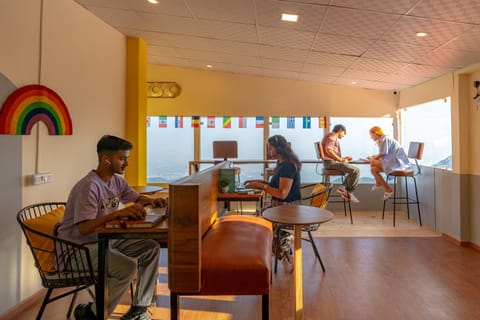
(150, 189)
(298, 216)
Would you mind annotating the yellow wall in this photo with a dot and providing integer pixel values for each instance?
(207, 93)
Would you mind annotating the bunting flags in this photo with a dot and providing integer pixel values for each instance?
(195, 122)
(242, 122)
(322, 122)
(227, 122)
(179, 122)
(148, 122)
(210, 122)
(307, 122)
(162, 121)
(275, 122)
(290, 122)
(258, 122)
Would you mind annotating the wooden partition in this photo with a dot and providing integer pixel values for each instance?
(193, 208)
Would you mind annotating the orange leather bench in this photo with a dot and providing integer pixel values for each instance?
(210, 255)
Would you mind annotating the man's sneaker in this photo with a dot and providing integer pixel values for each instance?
(387, 195)
(343, 193)
(353, 198)
(84, 312)
(137, 313)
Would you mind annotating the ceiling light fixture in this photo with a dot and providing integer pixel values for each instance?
(153, 1)
(209, 66)
(289, 17)
(421, 34)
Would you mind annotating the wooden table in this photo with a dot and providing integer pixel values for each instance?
(297, 215)
(240, 196)
(159, 232)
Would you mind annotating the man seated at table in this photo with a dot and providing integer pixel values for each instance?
(96, 199)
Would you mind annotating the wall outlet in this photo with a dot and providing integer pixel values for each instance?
(41, 178)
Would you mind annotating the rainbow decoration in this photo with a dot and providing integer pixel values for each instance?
(33, 103)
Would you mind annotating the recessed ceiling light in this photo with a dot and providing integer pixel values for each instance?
(209, 66)
(421, 34)
(354, 82)
(153, 1)
(289, 17)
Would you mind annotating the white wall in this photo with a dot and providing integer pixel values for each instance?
(83, 60)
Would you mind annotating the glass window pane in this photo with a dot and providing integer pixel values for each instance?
(243, 130)
(357, 142)
(169, 148)
(430, 123)
(302, 139)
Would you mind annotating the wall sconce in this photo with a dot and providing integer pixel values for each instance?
(163, 90)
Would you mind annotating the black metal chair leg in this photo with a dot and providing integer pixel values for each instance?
(315, 250)
(408, 198)
(418, 202)
(72, 304)
(394, 198)
(44, 303)
(277, 248)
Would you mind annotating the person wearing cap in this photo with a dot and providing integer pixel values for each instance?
(334, 160)
(391, 156)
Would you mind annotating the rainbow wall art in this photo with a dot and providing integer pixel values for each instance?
(33, 103)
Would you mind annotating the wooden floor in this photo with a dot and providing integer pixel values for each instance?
(406, 277)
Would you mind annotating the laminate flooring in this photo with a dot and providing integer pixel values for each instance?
(367, 277)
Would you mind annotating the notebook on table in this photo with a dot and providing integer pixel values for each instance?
(153, 217)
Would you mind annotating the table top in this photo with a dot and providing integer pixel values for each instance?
(239, 196)
(297, 214)
(147, 189)
(161, 228)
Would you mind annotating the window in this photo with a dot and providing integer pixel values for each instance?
(357, 142)
(244, 131)
(301, 132)
(167, 161)
(430, 123)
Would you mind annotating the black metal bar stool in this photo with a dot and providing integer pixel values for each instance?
(326, 174)
(415, 151)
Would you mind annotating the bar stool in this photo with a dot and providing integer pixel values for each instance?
(326, 174)
(415, 151)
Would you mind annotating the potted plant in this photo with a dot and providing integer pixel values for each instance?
(224, 184)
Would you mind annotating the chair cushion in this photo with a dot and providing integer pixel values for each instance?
(401, 173)
(45, 224)
(236, 256)
(319, 200)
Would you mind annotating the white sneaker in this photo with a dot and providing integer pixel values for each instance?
(375, 187)
(387, 195)
(353, 198)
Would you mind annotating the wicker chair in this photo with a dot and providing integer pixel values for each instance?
(39, 223)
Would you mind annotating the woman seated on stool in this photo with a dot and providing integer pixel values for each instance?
(390, 157)
(284, 186)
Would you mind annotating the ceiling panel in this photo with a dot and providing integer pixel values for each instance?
(363, 43)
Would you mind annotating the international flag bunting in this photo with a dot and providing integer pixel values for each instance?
(148, 122)
(227, 122)
(195, 122)
(322, 122)
(307, 122)
(290, 122)
(275, 122)
(162, 121)
(178, 122)
(258, 122)
(242, 122)
(210, 122)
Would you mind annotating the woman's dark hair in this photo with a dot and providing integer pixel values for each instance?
(111, 143)
(285, 150)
